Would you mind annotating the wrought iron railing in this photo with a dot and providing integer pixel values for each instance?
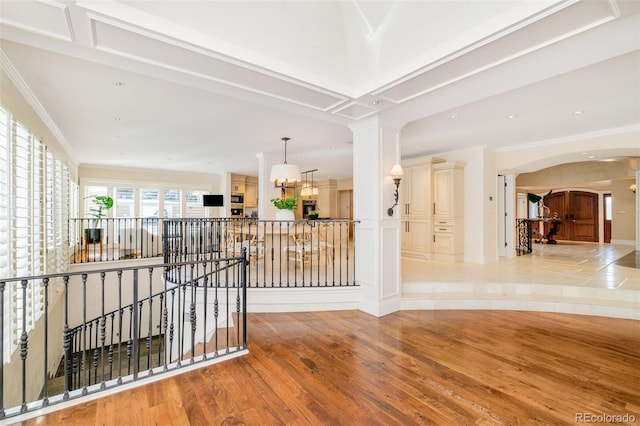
(524, 234)
(116, 326)
(299, 253)
(98, 240)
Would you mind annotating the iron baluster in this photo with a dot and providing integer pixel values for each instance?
(103, 329)
(45, 396)
(112, 316)
(84, 334)
(24, 340)
(150, 322)
(3, 286)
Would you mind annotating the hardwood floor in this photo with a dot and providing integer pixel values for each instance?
(410, 367)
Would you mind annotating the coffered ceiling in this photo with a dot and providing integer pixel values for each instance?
(206, 85)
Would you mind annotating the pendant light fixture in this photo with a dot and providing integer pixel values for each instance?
(314, 190)
(285, 175)
(308, 190)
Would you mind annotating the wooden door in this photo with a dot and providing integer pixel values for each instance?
(558, 203)
(583, 208)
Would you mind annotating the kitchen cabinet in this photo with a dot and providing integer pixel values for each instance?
(432, 209)
(237, 187)
(448, 211)
(415, 207)
(416, 182)
(416, 238)
(448, 186)
(250, 194)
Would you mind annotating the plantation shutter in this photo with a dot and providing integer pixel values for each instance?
(5, 229)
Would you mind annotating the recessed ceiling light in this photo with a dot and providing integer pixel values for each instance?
(116, 137)
(592, 156)
(584, 153)
(453, 116)
(116, 118)
(376, 102)
(577, 112)
(118, 83)
(512, 116)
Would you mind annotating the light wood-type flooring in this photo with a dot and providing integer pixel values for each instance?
(409, 367)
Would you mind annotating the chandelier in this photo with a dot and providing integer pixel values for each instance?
(285, 175)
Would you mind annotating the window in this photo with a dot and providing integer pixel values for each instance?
(608, 212)
(172, 201)
(35, 202)
(149, 201)
(89, 192)
(194, 204)
(125, 202)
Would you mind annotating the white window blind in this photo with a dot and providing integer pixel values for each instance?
(35, 203)
(27, 238)
(172, 202)
(149, 203)
(5, 235)
(194, 204)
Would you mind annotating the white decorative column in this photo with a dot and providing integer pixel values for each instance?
(377, 236)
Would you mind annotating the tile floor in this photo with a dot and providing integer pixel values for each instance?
(566, 263)
(583, 278)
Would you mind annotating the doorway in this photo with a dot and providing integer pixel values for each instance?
(581, 208)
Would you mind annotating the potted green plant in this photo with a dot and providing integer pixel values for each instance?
(312, 215)
(285, 207)
(102, 203)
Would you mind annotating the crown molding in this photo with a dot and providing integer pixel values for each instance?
(33, 101)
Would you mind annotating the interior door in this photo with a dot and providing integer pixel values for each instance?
(557, 203)
(584, 210)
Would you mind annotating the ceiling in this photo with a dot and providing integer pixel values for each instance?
(205, 86)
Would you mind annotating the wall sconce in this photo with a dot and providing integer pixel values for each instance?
(396, 174)
(633, 188)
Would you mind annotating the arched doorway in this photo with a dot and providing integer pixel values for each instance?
(581, 208)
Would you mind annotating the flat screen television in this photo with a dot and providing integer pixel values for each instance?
(212, 200)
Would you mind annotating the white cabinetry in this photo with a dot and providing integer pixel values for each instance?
(415, 203)
(416, 182)
(416, 240)
(448, 211)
